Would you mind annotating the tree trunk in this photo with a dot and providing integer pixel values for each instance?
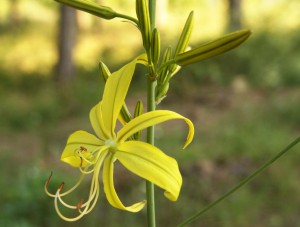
(66, 43)
(14, 16)
(235, 14)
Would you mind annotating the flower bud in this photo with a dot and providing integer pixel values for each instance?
(213, 48)
(125, 115)
(139, 109)
(91, 7)
(185, 35)
(161, 92)
(142, 12)
(155, 47)
(184, 39)
(163, 75)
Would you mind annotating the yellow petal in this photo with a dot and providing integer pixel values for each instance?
(142, 59)
(97, 122)
(115, 91)
(79, 141)
(109, 189)
(152, 118)
(150, 163)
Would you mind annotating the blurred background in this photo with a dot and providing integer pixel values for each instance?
(244, 104)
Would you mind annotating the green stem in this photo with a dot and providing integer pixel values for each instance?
(241, 183)
(152, 13)
(150, 131)
(150, 140)
(135, 21)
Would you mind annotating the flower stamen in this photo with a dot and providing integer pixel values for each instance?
(47, 185)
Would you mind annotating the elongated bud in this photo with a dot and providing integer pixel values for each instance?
(125, 115)
(162, 77)
(139, 109)
(155, 47)
(104, 71)
(185, 35)
(91, 7)
(142, 12)
(184, 39)
(162, 91)
(213, 48)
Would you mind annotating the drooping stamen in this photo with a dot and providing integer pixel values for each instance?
(48, 180)
(47, 184)
(81, 161)
(58, 198)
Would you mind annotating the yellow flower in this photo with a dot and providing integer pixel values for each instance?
(88, 152)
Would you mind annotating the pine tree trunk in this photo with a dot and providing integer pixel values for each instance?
(66, 43)
(235, 14)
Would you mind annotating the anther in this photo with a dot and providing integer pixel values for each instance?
(79, 205)
(83, 149)
(61, 186)
(48, 180)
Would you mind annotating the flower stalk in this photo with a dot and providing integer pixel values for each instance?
(150, 131)
(96, 153)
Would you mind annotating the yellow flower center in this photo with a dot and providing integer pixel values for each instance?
(111, 143)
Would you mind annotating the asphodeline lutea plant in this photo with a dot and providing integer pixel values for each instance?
(93, 153)
(90, 152)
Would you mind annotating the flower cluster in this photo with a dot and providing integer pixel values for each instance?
(93, 153)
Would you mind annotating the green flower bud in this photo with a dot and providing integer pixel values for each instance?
(139, 109)
(161, 92)
(184, 39)
(142, 12)
(155, 47)
(125, 114)
(163, 75)
(185, 35)
(91, 7)
(213, 48)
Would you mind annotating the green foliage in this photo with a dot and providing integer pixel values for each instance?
(35, 102)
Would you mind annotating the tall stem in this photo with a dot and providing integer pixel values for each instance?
(150, 131)
(150, 140)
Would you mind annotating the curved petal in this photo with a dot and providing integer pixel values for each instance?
(97, 122)
(79, 141)
(115, 91)
(151, 164)
(143, 59)
(152, 118)
(109, 189)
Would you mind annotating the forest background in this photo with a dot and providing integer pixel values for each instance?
(245, 106)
